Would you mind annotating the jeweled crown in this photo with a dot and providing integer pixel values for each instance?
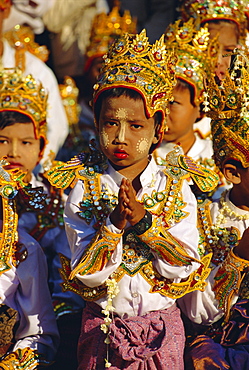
(25, 95)
(196, 54)
(207, 10)
(135, 64)
(228, 107)
(105, 29)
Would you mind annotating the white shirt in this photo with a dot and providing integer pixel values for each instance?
(201, 149)
(57, 123)
(134, 297)
(25, 289)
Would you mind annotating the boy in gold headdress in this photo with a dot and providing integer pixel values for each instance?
(227, 19)
(28, 330)
(131, 223)
(218, 339)
(23, 103)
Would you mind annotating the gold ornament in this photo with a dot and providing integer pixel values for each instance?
(228, 109)
(25, 95)
(22, 39)
(135, 64)
(196, 54)
(105, 30)
(209, 10)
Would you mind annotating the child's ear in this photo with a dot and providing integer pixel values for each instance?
(231, 173)
(158, 135)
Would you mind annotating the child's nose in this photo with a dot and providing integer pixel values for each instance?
(120, 134)
(13, 149)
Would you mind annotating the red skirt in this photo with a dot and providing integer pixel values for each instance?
(151, 342)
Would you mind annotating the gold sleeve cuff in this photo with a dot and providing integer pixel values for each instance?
(23, 359)
(228, 279)
(98, 252)
(166, 246)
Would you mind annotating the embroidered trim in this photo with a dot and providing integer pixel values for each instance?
(50, 216)
(166, 246)
(75, 285)
(166, 287)
(228, 279)
(23, 359)
(98, 253)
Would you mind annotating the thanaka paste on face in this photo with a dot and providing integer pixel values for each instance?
(104, 139)
(142, 145)
(122, 115)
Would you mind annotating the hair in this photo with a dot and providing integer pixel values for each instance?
(116, 92)
(183, 85)
(9, 118)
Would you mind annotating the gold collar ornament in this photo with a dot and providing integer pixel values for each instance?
(13, 191)
(135, 64)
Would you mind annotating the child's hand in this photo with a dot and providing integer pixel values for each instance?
(119, 214)
(242, 249)
(128, 209)
(134, 210)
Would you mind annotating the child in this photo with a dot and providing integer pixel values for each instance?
(228, 20)
(22, 141)
(220, 340)
(28, 332)
(195, 55)
(127, 219)
(30, 64)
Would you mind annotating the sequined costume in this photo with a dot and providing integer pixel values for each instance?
(218, 327)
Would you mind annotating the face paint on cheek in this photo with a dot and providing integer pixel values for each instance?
(142, 145)
(104, 139)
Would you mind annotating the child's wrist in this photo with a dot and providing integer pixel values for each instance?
(144, 224)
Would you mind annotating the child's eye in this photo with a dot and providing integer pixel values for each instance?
(26, 142)
(174, 102)
(110, 123)
(3, 141)
(136, 126)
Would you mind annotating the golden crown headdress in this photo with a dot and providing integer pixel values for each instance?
(4, 4)
(207, 10)
(228, 107)
(194, 51)
(135, 64)
(25, 95)
(105, 29)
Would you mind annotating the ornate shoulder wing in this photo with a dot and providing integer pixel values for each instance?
(62, 175)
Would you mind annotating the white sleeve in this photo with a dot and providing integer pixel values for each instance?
(37, 325)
